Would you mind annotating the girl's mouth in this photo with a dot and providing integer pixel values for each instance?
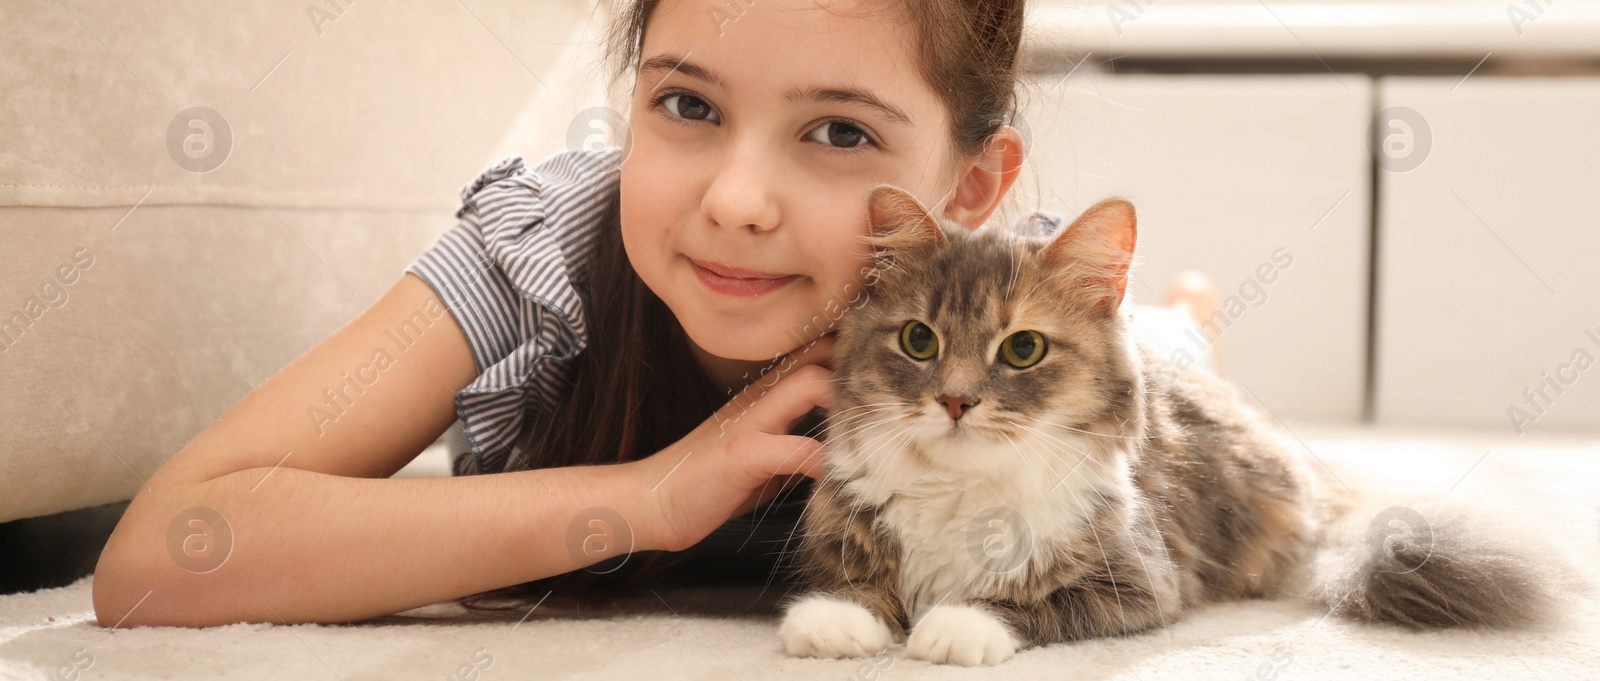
(738, 282)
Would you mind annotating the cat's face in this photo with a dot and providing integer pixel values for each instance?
(972, 339)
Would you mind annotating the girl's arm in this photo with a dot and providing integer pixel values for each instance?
(318, 531)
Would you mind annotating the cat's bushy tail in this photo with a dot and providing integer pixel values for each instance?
(1435, 564)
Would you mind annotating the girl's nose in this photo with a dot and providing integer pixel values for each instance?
(742, 195)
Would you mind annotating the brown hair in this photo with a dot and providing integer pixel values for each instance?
(635, 388)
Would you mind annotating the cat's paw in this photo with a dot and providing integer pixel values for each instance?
(820, 626)
(961, 634)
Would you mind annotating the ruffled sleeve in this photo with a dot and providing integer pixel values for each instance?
(506, 273)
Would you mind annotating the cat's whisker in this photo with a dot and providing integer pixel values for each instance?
(771, 503)
(855, 411)
(845, 418)
(895, 434)
(1110, 573)
(781, 497)
(1011, 287)
(889, 439)
(855, 452)
(757, 525)
(1149, 576)
(840, 439)
(836, 429)
(893, 437)
(876, 476)
(1037, 417)
(829, 474)
(1089, 520)
(1063, 443)
(869, 405)
(1082, 455)
(1043, 433)
(1042, 460)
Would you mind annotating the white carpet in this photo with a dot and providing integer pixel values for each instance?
(703, 634)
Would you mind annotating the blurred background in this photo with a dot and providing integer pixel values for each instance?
(1396, 203)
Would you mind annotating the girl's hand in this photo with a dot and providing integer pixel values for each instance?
(743, 455)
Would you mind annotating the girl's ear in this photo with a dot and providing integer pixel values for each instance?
(979, 190)
(897, 221)
(1098, 246)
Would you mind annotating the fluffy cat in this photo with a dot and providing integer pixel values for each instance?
(1007, 468)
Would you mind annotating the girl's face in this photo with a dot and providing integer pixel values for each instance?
(756, 134)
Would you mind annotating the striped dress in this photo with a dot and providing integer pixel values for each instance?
(506, 273)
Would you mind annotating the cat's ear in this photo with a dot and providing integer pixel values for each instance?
(898, 222)
(1099, 245)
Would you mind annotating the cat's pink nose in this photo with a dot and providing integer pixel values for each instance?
(957, 405)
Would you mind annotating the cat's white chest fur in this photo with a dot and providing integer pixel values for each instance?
(963, 534)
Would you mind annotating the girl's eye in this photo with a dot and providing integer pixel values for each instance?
(917, 340)
(1022, 349)
(688, 107)
(840, 134)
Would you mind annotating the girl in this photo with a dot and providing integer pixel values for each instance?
(587, 322)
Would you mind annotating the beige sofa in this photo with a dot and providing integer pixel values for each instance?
(152, 270)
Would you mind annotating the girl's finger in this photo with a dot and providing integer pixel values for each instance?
(767, 492)
(778, 488)
(781, 455)
(818, 351)
(769, 464)
(780, 401)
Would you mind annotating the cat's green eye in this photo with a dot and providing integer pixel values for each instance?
(918, 340)
(1023, 349)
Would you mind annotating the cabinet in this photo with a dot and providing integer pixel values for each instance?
(1489, 256)
(1481, 284)
(1226, 171)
